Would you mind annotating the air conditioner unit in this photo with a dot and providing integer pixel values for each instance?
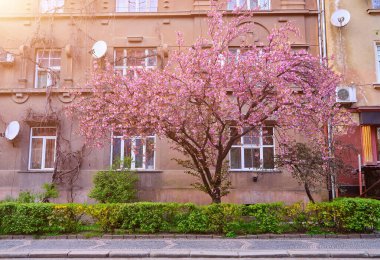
(346, 94)
(7, 58)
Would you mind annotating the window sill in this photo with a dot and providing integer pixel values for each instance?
(256, 171)
(373, 11)
(376, 85)
(37, 171)
(43, 90)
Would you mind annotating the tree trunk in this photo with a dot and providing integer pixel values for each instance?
(308, 193)
(215, 196)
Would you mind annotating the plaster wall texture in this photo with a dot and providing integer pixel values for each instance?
(23, 30)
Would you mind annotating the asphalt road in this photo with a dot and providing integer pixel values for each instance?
(199, 248)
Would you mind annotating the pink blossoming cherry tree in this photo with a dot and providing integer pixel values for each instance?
(205, 99)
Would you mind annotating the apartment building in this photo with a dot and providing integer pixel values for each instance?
(355, 46)
(45, 55)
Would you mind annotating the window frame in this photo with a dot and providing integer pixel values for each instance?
(133, 145)
(43, 151)
(377, 134)
(261, 146)
(148, 6)
(377, 60)
(59, 6)
(125, 68)
(264, 5)
(56, 69)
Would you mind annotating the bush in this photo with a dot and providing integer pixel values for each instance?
(114, 186)
(342, 215)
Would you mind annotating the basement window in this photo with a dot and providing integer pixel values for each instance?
(42, 149)
(136, 5)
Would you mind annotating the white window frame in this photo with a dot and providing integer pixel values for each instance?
(43, 156)
(378, 143)
(261, 146)
(125, 68)
(52, 6)
(377, 59)
(54, 69)
(133, 156)
(123, 6)
(262, 4)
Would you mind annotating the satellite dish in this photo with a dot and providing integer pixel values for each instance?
(12, 130)
(99, 49)
(340, 18)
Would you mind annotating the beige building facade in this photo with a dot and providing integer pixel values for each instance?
(355, 47)
(45, 50)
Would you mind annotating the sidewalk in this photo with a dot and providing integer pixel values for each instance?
(191, 248)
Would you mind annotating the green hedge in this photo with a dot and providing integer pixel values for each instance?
(339, 216)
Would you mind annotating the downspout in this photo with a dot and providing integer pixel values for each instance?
(323, 55)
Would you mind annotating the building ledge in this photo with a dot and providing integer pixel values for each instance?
(376, 85)
(43, 90)
(255, 171)
(373, 11)
(36, 171)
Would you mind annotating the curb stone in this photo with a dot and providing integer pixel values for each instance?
(191, 236)
(190, 254)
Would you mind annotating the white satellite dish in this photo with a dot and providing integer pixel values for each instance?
(12, 130)
(340, 18)
(99, 49)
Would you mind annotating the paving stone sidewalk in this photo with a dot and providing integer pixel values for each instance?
(191, 248)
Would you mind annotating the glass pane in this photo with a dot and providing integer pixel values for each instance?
(50, 152)
(153, 5)
(121, 6)
(231, 4)
(116, 151)
(142, 5)
(42, 80)
(43, 63)
(127, 153)
(139, 154)
(36, 153)
(149, 164)
(252, 138)
(136, 57)
(268, 158)
(44, 131)
(376, 4)
(152, 58)
(253, 4)
(131, 5)
(119, 57)
(55, 63)
(268, 135)
(234, 131)
(55, 54)
(251, 158)
(235, 156)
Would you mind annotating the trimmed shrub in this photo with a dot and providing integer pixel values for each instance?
(340, 216)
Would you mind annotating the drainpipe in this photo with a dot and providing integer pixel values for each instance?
(323, 55)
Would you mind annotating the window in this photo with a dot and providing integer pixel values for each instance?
(375, 4)
(253, 151)
(128, 61)
(42, 148)
(52, 6)
(136, 5)
(248, 4)
(48, 67)
(140, 150)
(378, 61)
